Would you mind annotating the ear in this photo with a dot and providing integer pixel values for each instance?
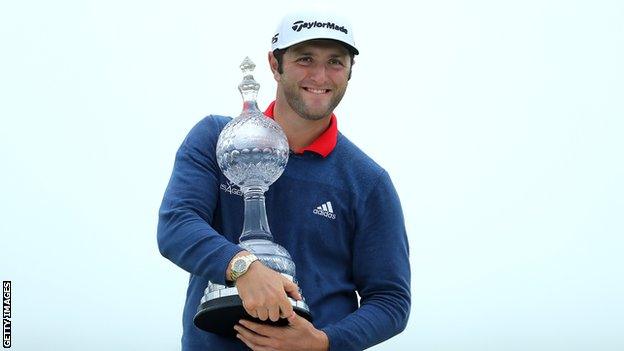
(273, 65)
(351, 69)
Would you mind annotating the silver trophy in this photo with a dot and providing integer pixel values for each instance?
(252, 152)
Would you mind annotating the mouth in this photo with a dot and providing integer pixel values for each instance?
(316, 91)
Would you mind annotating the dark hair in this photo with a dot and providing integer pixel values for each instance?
(279, 56)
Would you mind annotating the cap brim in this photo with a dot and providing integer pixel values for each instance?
(348, 46)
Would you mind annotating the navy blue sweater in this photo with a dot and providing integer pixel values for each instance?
(338, 216)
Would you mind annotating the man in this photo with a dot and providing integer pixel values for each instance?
(334, 209)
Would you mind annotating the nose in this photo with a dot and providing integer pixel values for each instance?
(318, 73)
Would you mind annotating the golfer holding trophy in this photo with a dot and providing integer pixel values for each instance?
(268, 208)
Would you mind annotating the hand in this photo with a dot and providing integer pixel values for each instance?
(265, 293)
(299, 334)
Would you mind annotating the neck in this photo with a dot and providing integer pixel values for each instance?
(299, 131)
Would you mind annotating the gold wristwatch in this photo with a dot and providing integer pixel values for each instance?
(241, 265)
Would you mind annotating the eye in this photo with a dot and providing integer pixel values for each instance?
(304, 60)
(335, 62)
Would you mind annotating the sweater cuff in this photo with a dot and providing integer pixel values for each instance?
(336, 342)
(224, 260)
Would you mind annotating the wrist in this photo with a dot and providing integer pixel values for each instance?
(239, 265)
(228, 270)
(322, 341)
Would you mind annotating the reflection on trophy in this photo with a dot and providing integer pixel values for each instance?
(252, 152)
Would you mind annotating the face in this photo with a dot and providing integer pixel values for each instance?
(314, 78)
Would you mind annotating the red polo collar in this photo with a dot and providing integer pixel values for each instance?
(325, 143)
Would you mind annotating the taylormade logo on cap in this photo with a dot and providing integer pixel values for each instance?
(298, 25)
(301, 26)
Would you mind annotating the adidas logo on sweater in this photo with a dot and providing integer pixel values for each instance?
(325, 210)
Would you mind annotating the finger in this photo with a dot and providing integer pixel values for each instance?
(263, 313)
(249, 334)
(261, 329)
(274, 313)
(250, 311)
(291, 289)
(293, 320)
(251, 345)
(253, 338)
(286, 309)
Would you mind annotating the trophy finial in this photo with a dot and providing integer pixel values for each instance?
(247, 66)
(248, 87)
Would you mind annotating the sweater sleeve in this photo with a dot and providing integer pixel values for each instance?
(185, 235)
(381, 273)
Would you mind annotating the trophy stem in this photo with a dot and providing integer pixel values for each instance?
(255, 225)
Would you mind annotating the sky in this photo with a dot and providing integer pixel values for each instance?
(500, 123)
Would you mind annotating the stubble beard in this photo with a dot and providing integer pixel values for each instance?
(297, 103)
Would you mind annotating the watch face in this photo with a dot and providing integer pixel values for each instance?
(239, 266)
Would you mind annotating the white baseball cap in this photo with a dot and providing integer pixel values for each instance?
(298, 27)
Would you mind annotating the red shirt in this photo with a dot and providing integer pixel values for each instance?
(325, 143)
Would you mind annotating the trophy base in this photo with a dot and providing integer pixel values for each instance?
(221, 314)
